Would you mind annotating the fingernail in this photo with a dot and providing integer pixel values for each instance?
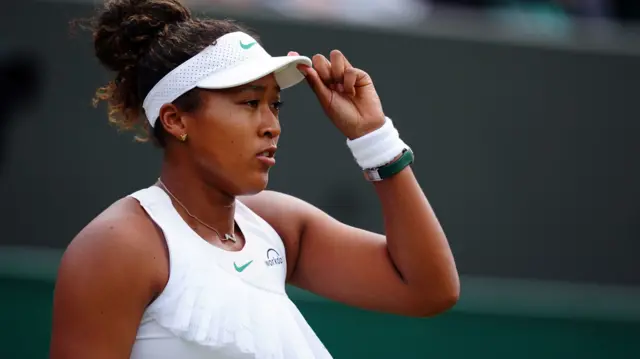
(303, 69)
(340, 88)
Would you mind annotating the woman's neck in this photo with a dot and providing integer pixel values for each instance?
(195, 197)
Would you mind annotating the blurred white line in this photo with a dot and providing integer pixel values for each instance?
(498, 27)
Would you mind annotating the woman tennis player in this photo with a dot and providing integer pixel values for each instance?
(195, 265)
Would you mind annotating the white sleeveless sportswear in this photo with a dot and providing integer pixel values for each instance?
(219, 304)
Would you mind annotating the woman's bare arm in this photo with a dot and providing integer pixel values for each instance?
(108, 275)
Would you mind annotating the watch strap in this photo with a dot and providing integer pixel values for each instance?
(390, 169)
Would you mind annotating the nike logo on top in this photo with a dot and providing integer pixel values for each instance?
(242, 267)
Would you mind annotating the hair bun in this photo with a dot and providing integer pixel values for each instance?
(126, 29)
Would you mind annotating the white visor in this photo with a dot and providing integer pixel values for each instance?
(236, 59)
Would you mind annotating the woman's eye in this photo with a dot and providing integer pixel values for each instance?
(253, 103)
(277, 105)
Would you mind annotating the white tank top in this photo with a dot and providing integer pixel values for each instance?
(219, 304)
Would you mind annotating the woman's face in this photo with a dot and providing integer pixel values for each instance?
(232, 136)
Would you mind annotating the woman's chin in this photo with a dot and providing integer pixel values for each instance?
(256, 185)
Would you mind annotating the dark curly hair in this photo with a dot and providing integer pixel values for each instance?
(142, 41)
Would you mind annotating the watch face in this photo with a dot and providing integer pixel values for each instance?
(372, 175)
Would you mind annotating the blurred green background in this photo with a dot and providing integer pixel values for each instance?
(494, 319)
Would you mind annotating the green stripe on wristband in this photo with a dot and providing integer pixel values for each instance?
(391, 169)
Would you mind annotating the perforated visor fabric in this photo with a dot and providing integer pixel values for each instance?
(234, 60)
(284, 69)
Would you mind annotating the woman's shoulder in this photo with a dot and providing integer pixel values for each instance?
(287, 214)
(280, 210)
(108, 275)
(123, 237)
(123, 221)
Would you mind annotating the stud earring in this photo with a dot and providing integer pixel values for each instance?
(183, 137)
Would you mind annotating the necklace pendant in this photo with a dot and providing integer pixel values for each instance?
(230, 237)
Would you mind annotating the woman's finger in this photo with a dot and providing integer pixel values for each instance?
(338, 63)
(323, 67)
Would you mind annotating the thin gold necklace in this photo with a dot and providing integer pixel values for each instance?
(227, 236)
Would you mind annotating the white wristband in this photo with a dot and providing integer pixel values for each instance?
(377, 148)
